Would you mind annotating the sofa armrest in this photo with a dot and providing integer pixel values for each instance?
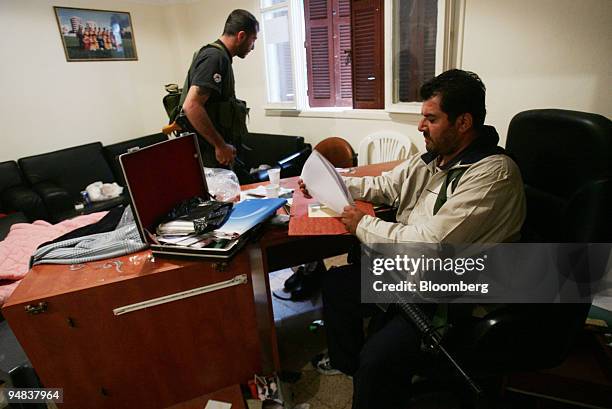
(9, 220)
(24, 199)
(59, 203)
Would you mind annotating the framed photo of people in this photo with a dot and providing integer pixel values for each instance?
(96, 35)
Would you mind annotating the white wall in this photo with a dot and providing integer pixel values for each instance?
(540, 54)
(47, 103)
(530, 54)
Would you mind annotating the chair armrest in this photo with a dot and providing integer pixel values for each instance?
(26, 200)
(57, 200)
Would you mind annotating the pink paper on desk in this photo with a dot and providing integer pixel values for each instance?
(302, 225)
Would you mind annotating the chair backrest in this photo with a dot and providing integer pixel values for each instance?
(565, 159)
(385, 147)
(263, 148)
(338, 151)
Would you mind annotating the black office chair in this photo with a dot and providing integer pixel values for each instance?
(565, 159)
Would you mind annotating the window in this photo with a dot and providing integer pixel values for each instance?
(279, 66)
(339, 53)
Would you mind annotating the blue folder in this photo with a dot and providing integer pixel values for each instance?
(249, 213)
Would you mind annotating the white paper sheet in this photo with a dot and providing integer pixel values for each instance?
(324, 183)
(215, 404)
(319, 210)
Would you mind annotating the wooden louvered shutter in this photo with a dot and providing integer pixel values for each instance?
(342, 53)
(319, 52)
(368, 54)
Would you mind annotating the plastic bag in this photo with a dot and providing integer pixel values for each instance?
(99, 191)
(222, 184)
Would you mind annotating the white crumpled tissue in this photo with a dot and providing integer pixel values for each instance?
(99, 191)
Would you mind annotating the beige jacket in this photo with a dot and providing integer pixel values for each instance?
(487, 206)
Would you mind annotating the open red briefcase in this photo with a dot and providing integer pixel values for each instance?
(159, 177)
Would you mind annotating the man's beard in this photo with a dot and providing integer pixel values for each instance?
(429, 147)
(243, 51)
(447, 143)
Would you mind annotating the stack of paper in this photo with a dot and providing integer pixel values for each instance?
(325, 184)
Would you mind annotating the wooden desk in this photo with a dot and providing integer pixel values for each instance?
(149, 358)
(163, 354)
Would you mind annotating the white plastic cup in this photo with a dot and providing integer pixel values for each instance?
(274, 176)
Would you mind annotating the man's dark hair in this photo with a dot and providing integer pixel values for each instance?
(240, 20)
(460, 92)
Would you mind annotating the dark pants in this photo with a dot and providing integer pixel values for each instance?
(381, 365)
(209, 160)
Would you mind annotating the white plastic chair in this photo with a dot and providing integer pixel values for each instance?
(385, 147)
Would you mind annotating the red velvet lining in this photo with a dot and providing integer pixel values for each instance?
(162, 175)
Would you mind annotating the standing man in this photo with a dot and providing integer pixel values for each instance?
(463, 190)
(210, 104)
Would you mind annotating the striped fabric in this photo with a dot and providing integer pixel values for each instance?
(123, 240)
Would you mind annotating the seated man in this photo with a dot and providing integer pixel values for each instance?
(463, 190)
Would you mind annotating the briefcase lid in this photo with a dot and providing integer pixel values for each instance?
(160, 176)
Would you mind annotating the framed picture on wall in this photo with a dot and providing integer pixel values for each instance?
(96, 35)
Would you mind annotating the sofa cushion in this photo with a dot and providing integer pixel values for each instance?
(24, 199)
(71, 169)
(112, 152)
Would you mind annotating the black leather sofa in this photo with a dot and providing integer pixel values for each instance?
(59, 177)
(47, 186)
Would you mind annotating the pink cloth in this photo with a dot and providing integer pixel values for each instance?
(22, 241)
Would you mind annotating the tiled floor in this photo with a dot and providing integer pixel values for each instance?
(297, 345)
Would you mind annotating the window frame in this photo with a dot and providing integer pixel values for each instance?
(451, 16)
(450, 35)
(267, 9)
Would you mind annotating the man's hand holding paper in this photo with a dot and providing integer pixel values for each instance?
(324, 183)
(321, 181)
(351, 216)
